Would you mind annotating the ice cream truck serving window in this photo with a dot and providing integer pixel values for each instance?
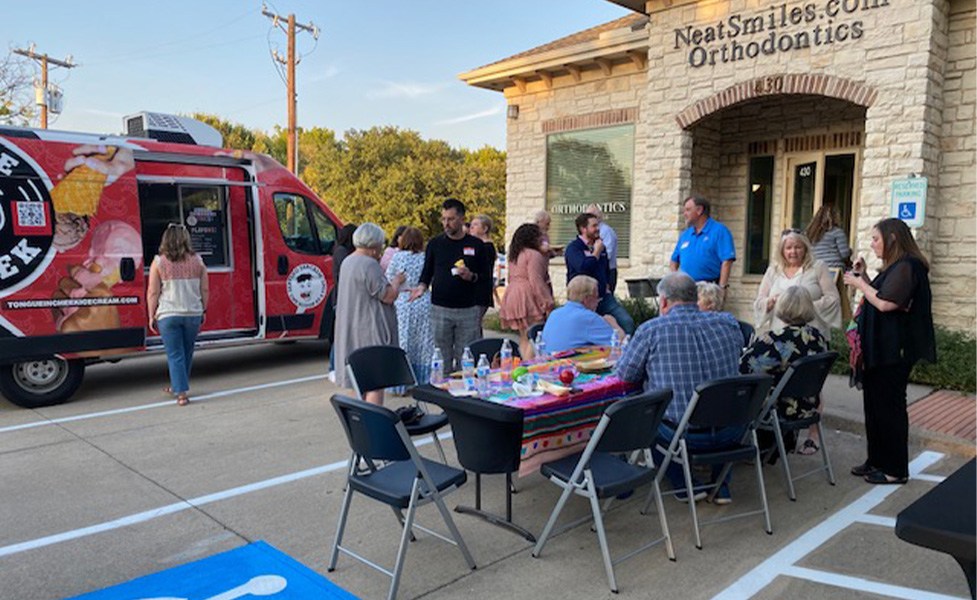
(201, 208)
(304, 226)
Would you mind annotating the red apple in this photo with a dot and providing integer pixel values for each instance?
(566, 377)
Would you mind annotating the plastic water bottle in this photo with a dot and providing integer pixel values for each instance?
(505, 356)
(468, 369)
(540, 347)
(615, 346)
(437, 367)
(482, 371)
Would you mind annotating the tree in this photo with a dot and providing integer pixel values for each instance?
(16, 91)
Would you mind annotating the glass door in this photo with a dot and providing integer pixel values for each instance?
(804, 188)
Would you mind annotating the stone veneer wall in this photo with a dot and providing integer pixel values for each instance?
(569, 105)
(953, 239)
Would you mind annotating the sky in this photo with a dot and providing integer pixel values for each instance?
(376, 62)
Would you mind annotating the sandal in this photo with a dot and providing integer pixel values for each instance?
(862, 470)
(168, 390)
(878, 477)
(182, 400)
(809, 447)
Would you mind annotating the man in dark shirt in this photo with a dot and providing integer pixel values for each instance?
(454, 263)
(587, 255)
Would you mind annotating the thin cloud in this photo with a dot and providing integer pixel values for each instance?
(327, 73)
(491, 112)
(392, 89)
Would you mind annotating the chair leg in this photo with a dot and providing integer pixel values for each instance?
(663, 521)
(567, 490)
(690, 492)
(404, 539)
(785, 464)
(455, 534)
(437, 444)
(601, 534)
(341, 528)
(826, 459)
(763, 489)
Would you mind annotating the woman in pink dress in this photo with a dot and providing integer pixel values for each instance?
(528, 295)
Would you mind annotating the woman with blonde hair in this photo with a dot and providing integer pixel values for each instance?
(794, 265)
(177, 302)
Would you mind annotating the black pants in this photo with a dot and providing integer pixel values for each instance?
(886, 419)
(612, 280)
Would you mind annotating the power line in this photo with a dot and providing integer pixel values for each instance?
(289, 26)
(45, 60)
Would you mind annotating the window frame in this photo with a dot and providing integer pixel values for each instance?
(310, 206)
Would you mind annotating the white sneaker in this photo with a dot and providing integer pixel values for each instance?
(332, 376)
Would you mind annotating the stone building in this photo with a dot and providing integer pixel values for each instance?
(769, 109)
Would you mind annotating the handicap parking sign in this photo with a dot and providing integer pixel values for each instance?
(255, 570)
(909, 200)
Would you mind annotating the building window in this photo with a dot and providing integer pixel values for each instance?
(591, 166)
(759, 201)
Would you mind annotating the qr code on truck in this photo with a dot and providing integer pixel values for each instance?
(31, 214)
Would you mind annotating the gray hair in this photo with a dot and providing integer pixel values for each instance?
(779, 259)
(710, 294)
(581, 287)
(486, 222)
(795, 306)
(595, 210)
(540, 216)
(678, 287)
(368, 235)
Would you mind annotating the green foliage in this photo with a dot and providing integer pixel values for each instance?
(955, 367)
(386, 175)
(640, 309)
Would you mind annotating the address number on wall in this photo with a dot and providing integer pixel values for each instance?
(773, 84)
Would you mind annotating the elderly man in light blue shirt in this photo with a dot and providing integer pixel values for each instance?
(576, 323)
(609, 237)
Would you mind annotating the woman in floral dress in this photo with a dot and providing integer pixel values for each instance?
(413, 318)
(773, 351)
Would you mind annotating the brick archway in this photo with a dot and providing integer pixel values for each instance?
(777, 85)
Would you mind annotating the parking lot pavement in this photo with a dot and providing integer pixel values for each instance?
(118, 484)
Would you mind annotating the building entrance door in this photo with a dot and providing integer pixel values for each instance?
(815, 179)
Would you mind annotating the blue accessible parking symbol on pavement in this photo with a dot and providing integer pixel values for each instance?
(255, 570)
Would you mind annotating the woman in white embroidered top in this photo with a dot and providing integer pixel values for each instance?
(794, 264)
(177, 302)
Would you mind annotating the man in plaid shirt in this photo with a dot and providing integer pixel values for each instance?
(679, 350)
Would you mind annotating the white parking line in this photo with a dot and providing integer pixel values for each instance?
(783, 562)
(176, 507)
(119, 411)
(863, 585)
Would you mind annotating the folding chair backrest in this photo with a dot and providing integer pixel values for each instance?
(379, 367)
(806, 376)
(747, 331)
(370, 429)
(491, 347)
(634, 422)
(730, 402)
(487, 437)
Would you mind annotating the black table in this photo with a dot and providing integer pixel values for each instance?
(944, 519)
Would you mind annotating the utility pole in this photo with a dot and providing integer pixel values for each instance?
(44, 59)
(290, 61)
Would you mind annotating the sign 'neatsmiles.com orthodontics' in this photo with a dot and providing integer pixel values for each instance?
(779, 28)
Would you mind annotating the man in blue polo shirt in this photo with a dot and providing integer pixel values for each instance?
(576, 323)
(705, 251)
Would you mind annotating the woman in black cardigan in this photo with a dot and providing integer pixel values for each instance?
(894, 331)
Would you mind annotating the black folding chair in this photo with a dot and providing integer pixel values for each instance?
(396, 475)
(804, 379)
(627, 427)
(491, 347)
(747, 331)
(730, 402)
(379, 367)
(488, 440)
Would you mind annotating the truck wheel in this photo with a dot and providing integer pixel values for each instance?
(42, 382)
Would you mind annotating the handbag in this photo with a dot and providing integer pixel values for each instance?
(410, 414)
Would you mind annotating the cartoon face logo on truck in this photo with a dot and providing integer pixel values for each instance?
(26, 224)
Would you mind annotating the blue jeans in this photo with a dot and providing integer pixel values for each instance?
(609, 305)
(705, 440)
(179, 335)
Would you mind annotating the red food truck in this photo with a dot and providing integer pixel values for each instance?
(81, 216)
